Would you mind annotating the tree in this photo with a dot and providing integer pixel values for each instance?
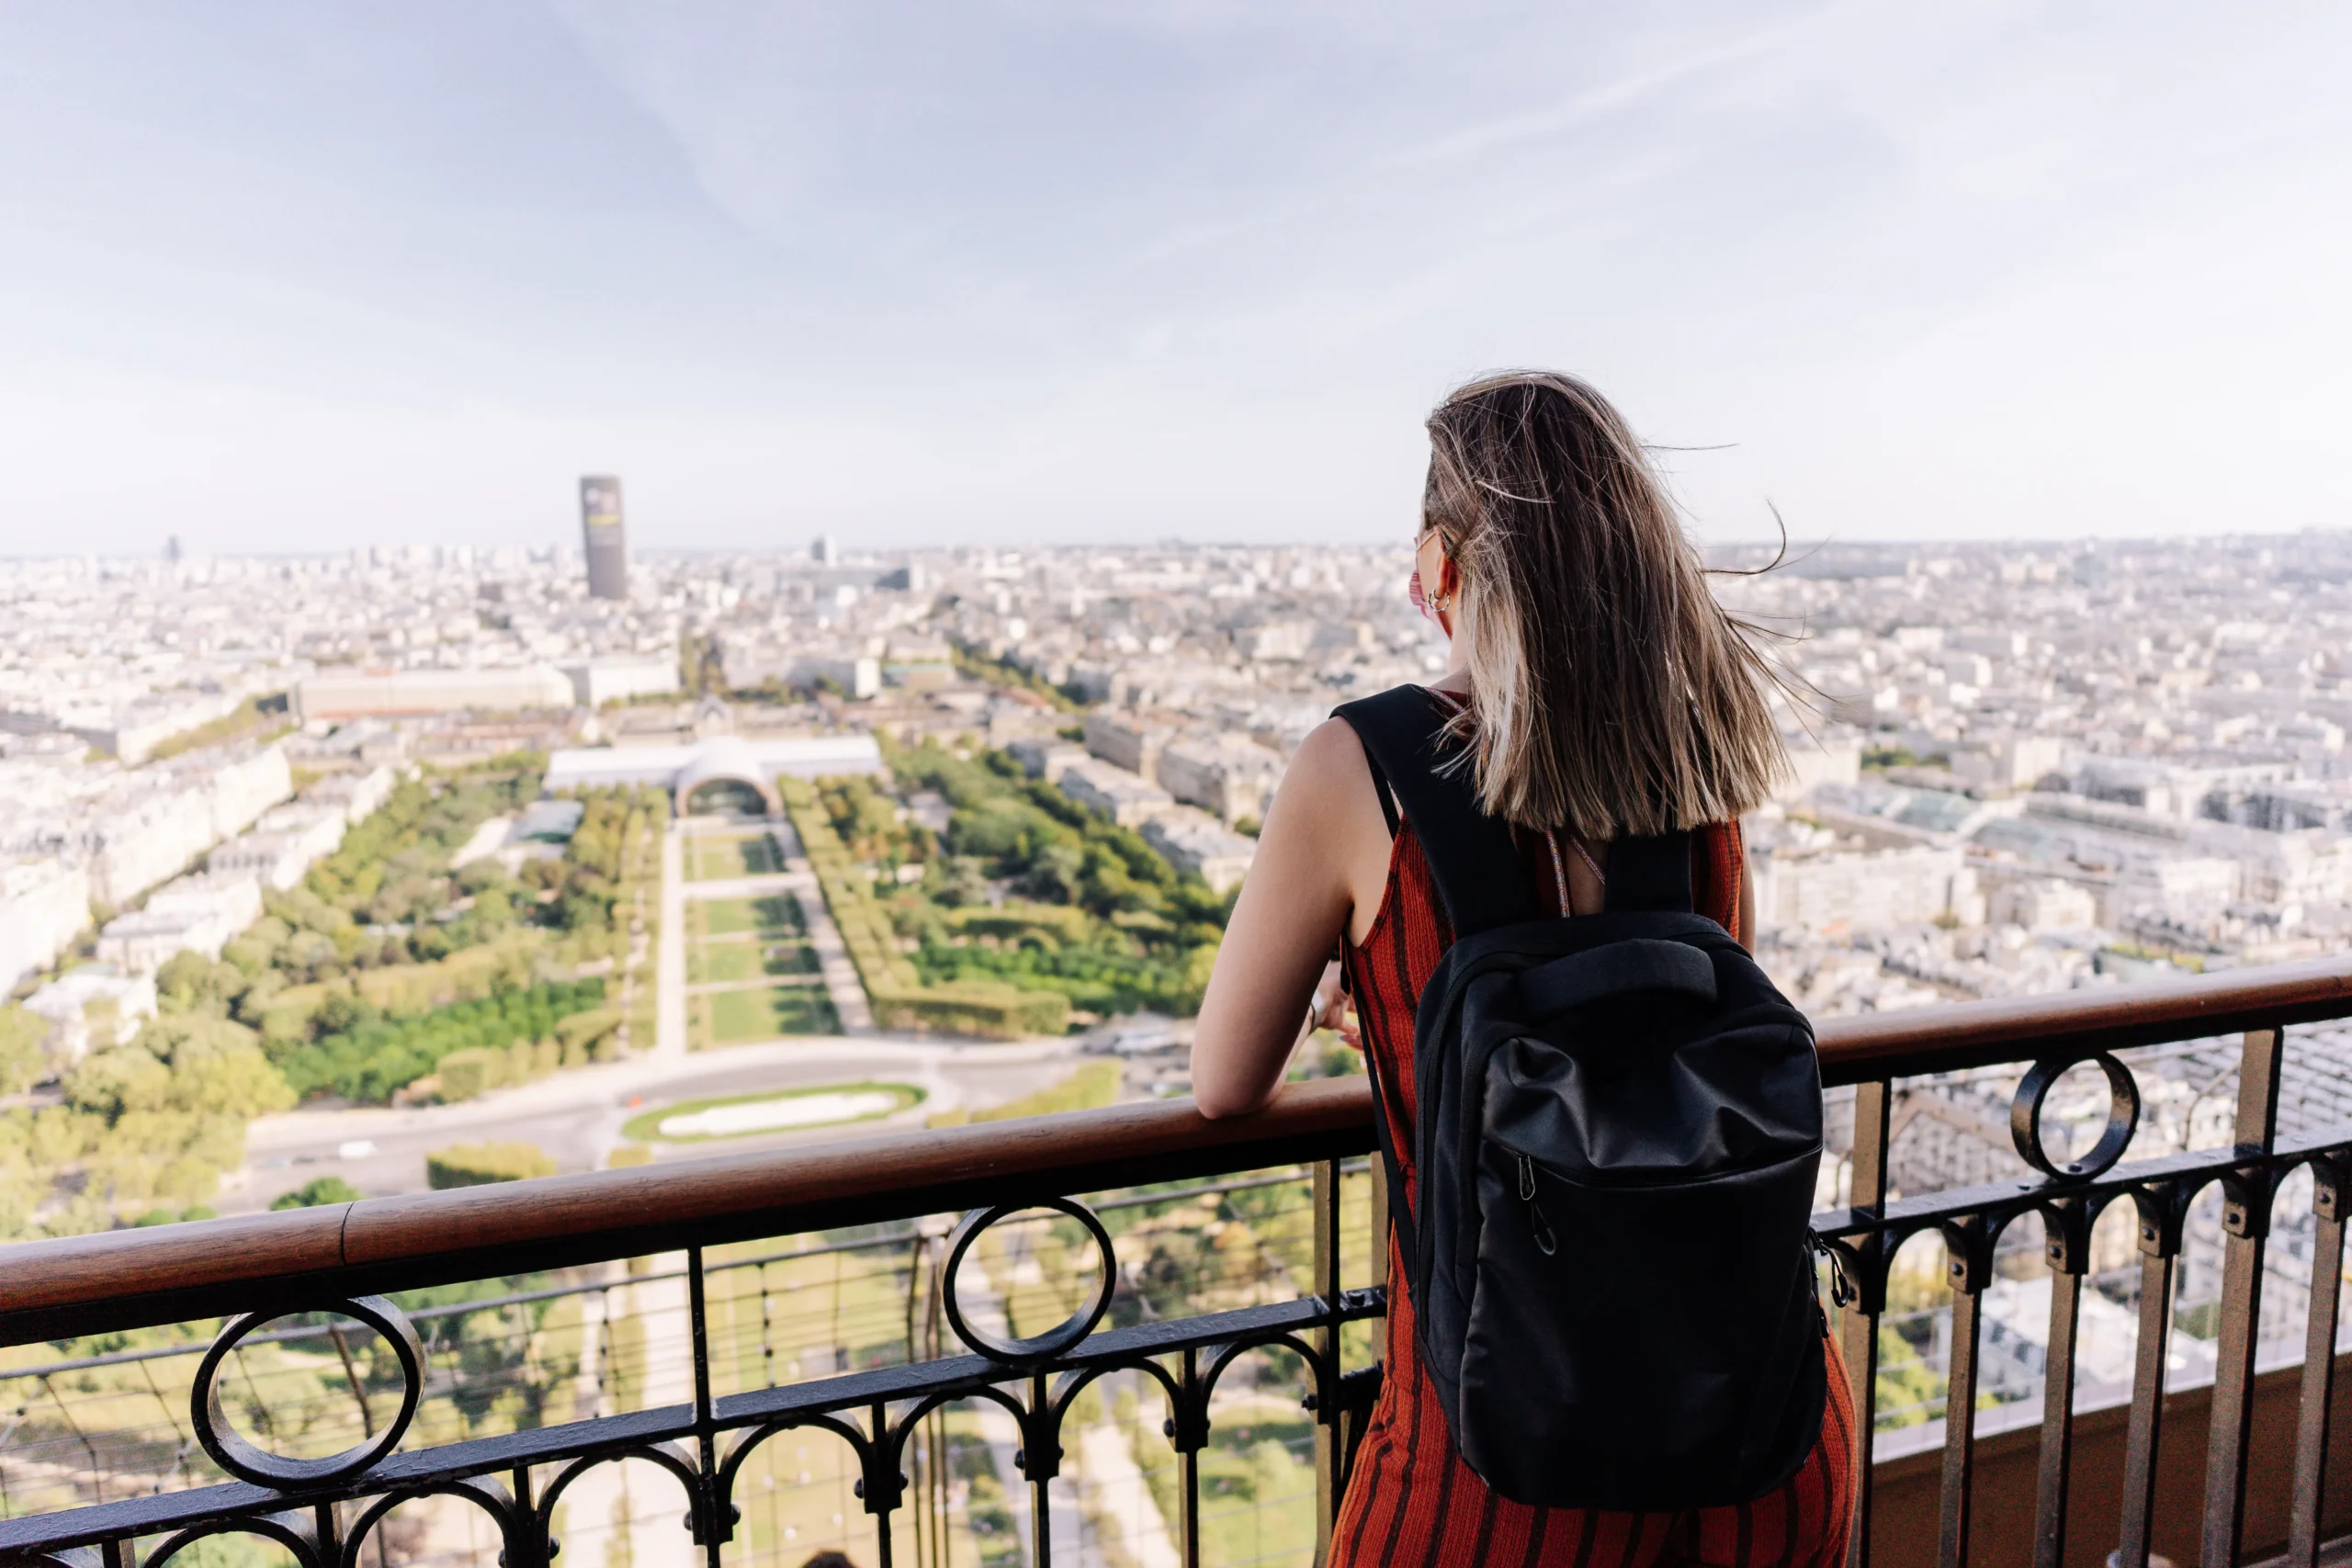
(217, 1068)
(115, 1082)
(24, 1049)
(189, 982)
(312, 1194)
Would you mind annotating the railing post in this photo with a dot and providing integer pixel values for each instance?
(705, 1431)
(2160, 1218)
(1972, 1262)
(1041, 1500)
(1188, 1465)
(1330, 1449)
(2246, 1217)
(2066, 1246)
(1857, 1324)
(2319, 1365)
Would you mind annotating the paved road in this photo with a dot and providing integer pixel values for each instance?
(577, 1115)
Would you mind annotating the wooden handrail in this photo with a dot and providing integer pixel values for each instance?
(133, 1278)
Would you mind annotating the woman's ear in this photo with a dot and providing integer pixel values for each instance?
(1448, 577)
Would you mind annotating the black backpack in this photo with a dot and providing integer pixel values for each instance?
(1617, 1130)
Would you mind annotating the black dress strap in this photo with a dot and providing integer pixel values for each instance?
(1470, 854)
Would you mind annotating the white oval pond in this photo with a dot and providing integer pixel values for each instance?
(774, 1115)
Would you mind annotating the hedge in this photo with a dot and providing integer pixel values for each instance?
(368, 1062)
(893, 987)
(583, 1029)
(971, 1007)
(479, 1165)
(408, 988)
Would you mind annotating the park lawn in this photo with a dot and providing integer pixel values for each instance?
(778, 914)
(731, 1018)
(718, 960)
(716, 857)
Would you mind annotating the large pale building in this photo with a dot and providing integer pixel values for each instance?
(1859, 889)
(359, 692)
(715, 768)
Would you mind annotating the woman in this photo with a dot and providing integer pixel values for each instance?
(1599, 690)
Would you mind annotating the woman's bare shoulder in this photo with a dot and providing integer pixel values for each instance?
(1329, 764)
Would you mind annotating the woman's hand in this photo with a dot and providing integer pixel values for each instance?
(1330, 1008)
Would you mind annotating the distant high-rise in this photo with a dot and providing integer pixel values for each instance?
(824, 552)
(600, 537)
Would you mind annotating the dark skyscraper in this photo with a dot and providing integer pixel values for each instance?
(600, 537)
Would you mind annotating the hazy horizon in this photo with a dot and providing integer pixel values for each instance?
(280, 280)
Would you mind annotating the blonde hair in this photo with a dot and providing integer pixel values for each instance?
(1610, 695)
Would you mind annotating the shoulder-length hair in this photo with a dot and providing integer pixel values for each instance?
(1610, 695)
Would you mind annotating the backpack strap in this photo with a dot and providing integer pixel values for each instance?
(1470, 854)
(1651, 873)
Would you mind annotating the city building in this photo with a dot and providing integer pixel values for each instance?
(595, 681)
(92, 1008)
(1199, 844)
(602, 542)
(44, 904)
(1228, 776)
(1116, 793)
(355, 694)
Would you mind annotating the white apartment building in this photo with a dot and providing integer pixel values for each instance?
(44, 904)
(1226, 775)
(1046, 759)
(1858, 889)
(2043, 904)
(356, 795)
(596, 682)
(1116, 793)
(156, 821)
(1124, 740)
(1199, 844)
(194, 914)
(751, 660)
(94, 1007)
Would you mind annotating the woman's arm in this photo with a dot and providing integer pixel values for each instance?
(1305, 883)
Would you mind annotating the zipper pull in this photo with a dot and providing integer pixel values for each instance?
(1545, 1242)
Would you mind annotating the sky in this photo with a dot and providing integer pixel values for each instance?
(294, 276)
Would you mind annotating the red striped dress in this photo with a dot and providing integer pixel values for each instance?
(1411, 1499)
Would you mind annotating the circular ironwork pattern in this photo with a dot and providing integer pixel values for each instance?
(1053, 1341)
(233, 1453)
(2122, 1117)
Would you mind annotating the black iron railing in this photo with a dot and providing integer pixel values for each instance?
(312, 1283)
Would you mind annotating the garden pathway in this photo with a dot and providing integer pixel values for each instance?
(832, 954)
(670, 963)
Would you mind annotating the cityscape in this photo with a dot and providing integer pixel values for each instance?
(665, 672)
(356, 875)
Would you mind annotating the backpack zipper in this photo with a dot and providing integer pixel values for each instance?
(1545, 1242)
